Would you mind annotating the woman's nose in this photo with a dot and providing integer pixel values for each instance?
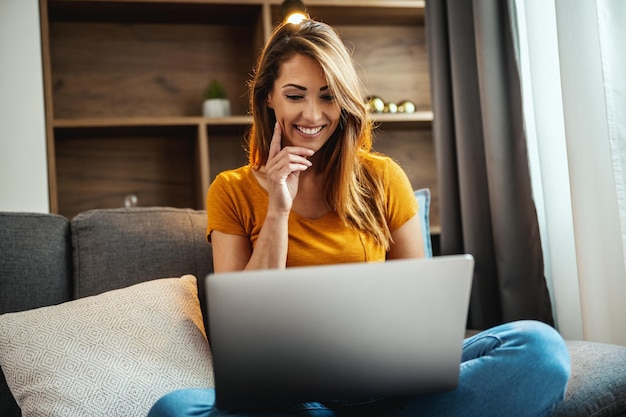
(312, 111)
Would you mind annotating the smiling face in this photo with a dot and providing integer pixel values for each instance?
(303, 103)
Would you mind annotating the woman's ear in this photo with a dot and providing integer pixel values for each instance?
(268, 101)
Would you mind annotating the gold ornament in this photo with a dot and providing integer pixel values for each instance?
(375, 104)
(406, 106)
(390, 107)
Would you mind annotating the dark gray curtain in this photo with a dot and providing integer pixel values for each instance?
(486, 205)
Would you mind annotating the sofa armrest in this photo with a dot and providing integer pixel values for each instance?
(35, 271)
(35, 261)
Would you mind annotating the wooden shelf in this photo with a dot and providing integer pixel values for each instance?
(152, 121)
(417, 120)
(424, 117)
(123, 82)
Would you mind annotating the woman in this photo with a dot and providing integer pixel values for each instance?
(314, 193)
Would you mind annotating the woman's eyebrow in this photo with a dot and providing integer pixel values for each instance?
(300, 87)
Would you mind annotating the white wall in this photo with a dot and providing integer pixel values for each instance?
(23, 167)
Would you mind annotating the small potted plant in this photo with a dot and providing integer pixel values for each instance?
(216, 103)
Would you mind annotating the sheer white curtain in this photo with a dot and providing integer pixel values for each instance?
(574, 88)
(612, 33)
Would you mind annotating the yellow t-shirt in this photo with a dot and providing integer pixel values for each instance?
(237, 204)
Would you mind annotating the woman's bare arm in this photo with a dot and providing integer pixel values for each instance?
(234, 252)
(407, 240)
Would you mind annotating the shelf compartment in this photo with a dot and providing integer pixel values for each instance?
(100, 167)
(110, 60)
(227, 147)
(388, 42)
(392, 62)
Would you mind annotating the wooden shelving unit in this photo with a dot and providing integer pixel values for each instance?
(123, 84)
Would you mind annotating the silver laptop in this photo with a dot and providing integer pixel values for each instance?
(337, 332)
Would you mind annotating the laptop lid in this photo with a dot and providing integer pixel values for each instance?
(337, 332)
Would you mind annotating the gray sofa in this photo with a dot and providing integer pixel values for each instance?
(46, 260)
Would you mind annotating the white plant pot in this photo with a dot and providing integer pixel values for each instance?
(216, 107)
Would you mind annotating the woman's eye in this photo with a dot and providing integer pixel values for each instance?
(293, 97)
(328, 98)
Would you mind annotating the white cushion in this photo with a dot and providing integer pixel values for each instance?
(113, 354)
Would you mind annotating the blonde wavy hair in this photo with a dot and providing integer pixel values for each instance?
(352, 188)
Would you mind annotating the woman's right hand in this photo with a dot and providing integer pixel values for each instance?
(283, 170)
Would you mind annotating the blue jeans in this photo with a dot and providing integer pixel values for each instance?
(516, 369)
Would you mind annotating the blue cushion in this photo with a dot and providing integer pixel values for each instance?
(423, 200)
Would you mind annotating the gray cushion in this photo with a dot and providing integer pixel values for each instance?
(597, 386)
(115, 248)
(35, 271)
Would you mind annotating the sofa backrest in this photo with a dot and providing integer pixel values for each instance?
(46, 259)
(115, 248)
(35, 271)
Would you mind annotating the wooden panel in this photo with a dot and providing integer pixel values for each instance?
(203, 167)
(188, 12)
(50, 148)
(227, 148)
(98, 168)
(130, 70)
(366, 13)
(393, 60)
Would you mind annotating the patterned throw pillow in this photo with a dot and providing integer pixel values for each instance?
(113, 354)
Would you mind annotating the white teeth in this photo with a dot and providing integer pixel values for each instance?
(309, 131)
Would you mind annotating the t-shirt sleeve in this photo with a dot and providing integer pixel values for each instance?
(221, 208)
(401, 202)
